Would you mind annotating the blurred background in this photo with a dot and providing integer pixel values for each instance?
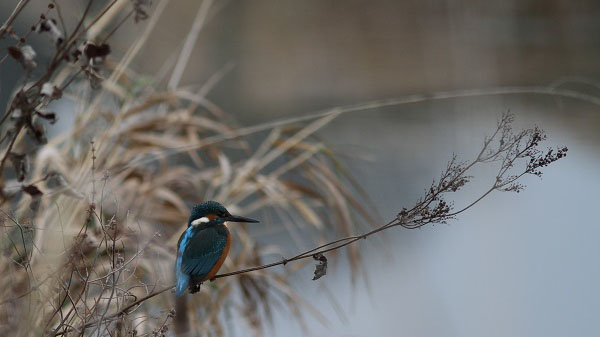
(516, 264)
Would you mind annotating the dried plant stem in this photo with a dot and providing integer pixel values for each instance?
(118, 25)
(410, 99)
(189, 44)
(12, 17)
(10, 146)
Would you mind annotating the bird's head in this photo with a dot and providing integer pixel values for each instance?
(212, 212)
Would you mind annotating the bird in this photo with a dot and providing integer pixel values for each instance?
(204, 245)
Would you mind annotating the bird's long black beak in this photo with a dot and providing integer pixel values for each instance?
(237, 218)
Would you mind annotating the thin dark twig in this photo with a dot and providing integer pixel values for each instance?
(10, 146)
(60, 17)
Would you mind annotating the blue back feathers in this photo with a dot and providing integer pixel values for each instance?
(198, 251)
(183, 280)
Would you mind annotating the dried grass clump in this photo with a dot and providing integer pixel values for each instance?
(115, 195)
(91, 217)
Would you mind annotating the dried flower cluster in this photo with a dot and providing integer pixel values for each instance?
(505, 147)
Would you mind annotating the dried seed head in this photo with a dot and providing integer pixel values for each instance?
(24, 54)
(51, 91)
(49, 26)
(96, 53)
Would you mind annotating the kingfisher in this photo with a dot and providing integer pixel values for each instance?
(204, 245)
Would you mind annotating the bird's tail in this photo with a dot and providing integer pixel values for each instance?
(181, 319)
(183, 282)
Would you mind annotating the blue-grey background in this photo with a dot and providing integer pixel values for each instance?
(516, 264)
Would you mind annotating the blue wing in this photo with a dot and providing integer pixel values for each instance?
(198, 253)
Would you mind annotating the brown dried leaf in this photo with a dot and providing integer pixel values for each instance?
(321, 268)
(15, 52)
(32, 190)
(49, 116)
(92, 51)
(36, 196)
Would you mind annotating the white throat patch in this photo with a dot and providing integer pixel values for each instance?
(199, 221)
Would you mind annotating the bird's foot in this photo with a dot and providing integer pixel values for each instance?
(195, 288)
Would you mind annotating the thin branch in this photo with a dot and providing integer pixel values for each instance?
(189, 44)
(12, 17)
(377, 104)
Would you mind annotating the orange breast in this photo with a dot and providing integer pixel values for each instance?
(220, 261)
